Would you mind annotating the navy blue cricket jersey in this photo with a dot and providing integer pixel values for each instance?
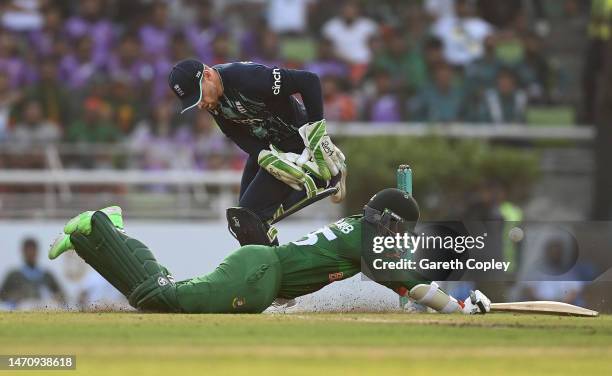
(258, 108)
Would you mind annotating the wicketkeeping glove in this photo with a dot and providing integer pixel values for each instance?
(283, 167)
(327, 159)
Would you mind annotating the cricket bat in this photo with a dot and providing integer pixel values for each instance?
(543, 306)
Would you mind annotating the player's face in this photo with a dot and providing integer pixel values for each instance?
(210, 91)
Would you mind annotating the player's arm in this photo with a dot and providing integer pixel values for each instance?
(430, 295)
(327, 159)
(269, 83)
(279, 164)
(408, 284)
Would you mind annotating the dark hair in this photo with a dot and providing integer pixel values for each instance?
(433, 42)
(507, 72)
(29, 242)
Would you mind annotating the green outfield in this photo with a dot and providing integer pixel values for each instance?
(313, 344)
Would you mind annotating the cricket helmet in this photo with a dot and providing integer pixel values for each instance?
(391, 211)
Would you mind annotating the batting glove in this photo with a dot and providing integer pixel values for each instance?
(476, 303)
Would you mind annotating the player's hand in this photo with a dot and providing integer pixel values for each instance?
(476, 303)
(283, 167)
(326, 158)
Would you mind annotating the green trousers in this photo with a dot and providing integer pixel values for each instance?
(247, 281)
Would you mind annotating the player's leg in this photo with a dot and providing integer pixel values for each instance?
(125, 262)
(251, 168)
(247, 281)
(264, 194)
(259, 196)
(248, 228)
(258, 203)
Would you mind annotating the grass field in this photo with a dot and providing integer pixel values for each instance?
(313, 344)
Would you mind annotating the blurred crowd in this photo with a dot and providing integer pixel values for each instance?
(95, 71)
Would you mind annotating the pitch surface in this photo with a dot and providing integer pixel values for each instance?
(314, 343)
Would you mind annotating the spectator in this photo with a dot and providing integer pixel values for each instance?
(124, 105)
(92, 23)
(210, 146)
(30, 285)
(424, 62)
(288, 16)
(414, 24)
(338, 106)
(399, 62)
(155, 139)
(535, 70)
(463, 34)
(506, 103)
(51, 93)
(350, 33)
(78, 69)
(34, 129)
(384, 105)
(482, 73)
(269, 49)
(442, 101)
(12, 61)
(94, 126)
(8, 98)
(46, 40)
(203, 31)
(250, 37)
(222, 49)
(439, 8)
(327, 63)
(155, 35)
(127, 60)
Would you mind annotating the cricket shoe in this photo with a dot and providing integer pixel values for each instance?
(339, 181)
(82, 224)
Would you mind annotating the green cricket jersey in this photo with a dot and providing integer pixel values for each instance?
(328, 254)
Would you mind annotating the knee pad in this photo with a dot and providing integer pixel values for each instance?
(127, 264)
(157, 293)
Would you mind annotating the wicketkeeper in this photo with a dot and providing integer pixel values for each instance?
(252, 277)
(291, 156)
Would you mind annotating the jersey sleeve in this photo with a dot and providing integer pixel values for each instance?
(270, 83)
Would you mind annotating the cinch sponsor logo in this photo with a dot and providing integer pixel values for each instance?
(277, 81)
(335, 276)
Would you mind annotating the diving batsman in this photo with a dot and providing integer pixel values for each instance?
(252, 277)
(291, 157)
